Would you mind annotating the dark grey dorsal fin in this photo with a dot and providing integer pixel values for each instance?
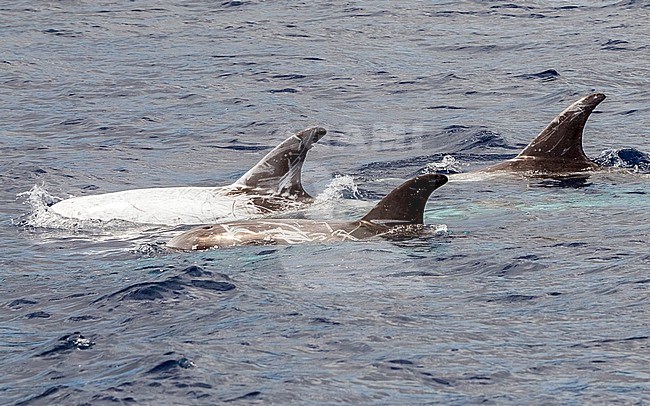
(280, 171)
(405, 204)
(558, 148)
(562, 138)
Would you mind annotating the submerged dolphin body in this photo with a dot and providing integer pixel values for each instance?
(557, 149)
(396, 213)
(273, 184)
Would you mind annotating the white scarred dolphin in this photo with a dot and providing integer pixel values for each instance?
(273, 184)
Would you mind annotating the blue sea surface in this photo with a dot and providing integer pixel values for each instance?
(538, 293)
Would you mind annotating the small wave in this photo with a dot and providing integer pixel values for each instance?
(545, 76)
(233, 3)
(69, 342)
(173, 287)
(615, 45)
(290, 76)
(512, 6)
(285, 90)
(625, 158)
(484, 139)
(170, 366)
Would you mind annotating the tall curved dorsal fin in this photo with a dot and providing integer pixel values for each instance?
(562, 138)
(405, 204)
(558, 148)
(280, 171)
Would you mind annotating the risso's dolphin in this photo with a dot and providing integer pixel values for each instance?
(400, 212)
(557, 149)
(273, 184)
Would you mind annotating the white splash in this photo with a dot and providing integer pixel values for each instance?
(448, 164)
(439, 230)
(40, 214)
(39, 200)
(339, 187)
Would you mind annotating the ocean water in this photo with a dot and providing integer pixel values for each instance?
(536, 294)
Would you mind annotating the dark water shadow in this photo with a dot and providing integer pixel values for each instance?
(189, 279)
(573, 181)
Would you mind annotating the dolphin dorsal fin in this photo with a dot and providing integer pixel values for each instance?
(280, 171)
(405, 204)
(561, 140)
